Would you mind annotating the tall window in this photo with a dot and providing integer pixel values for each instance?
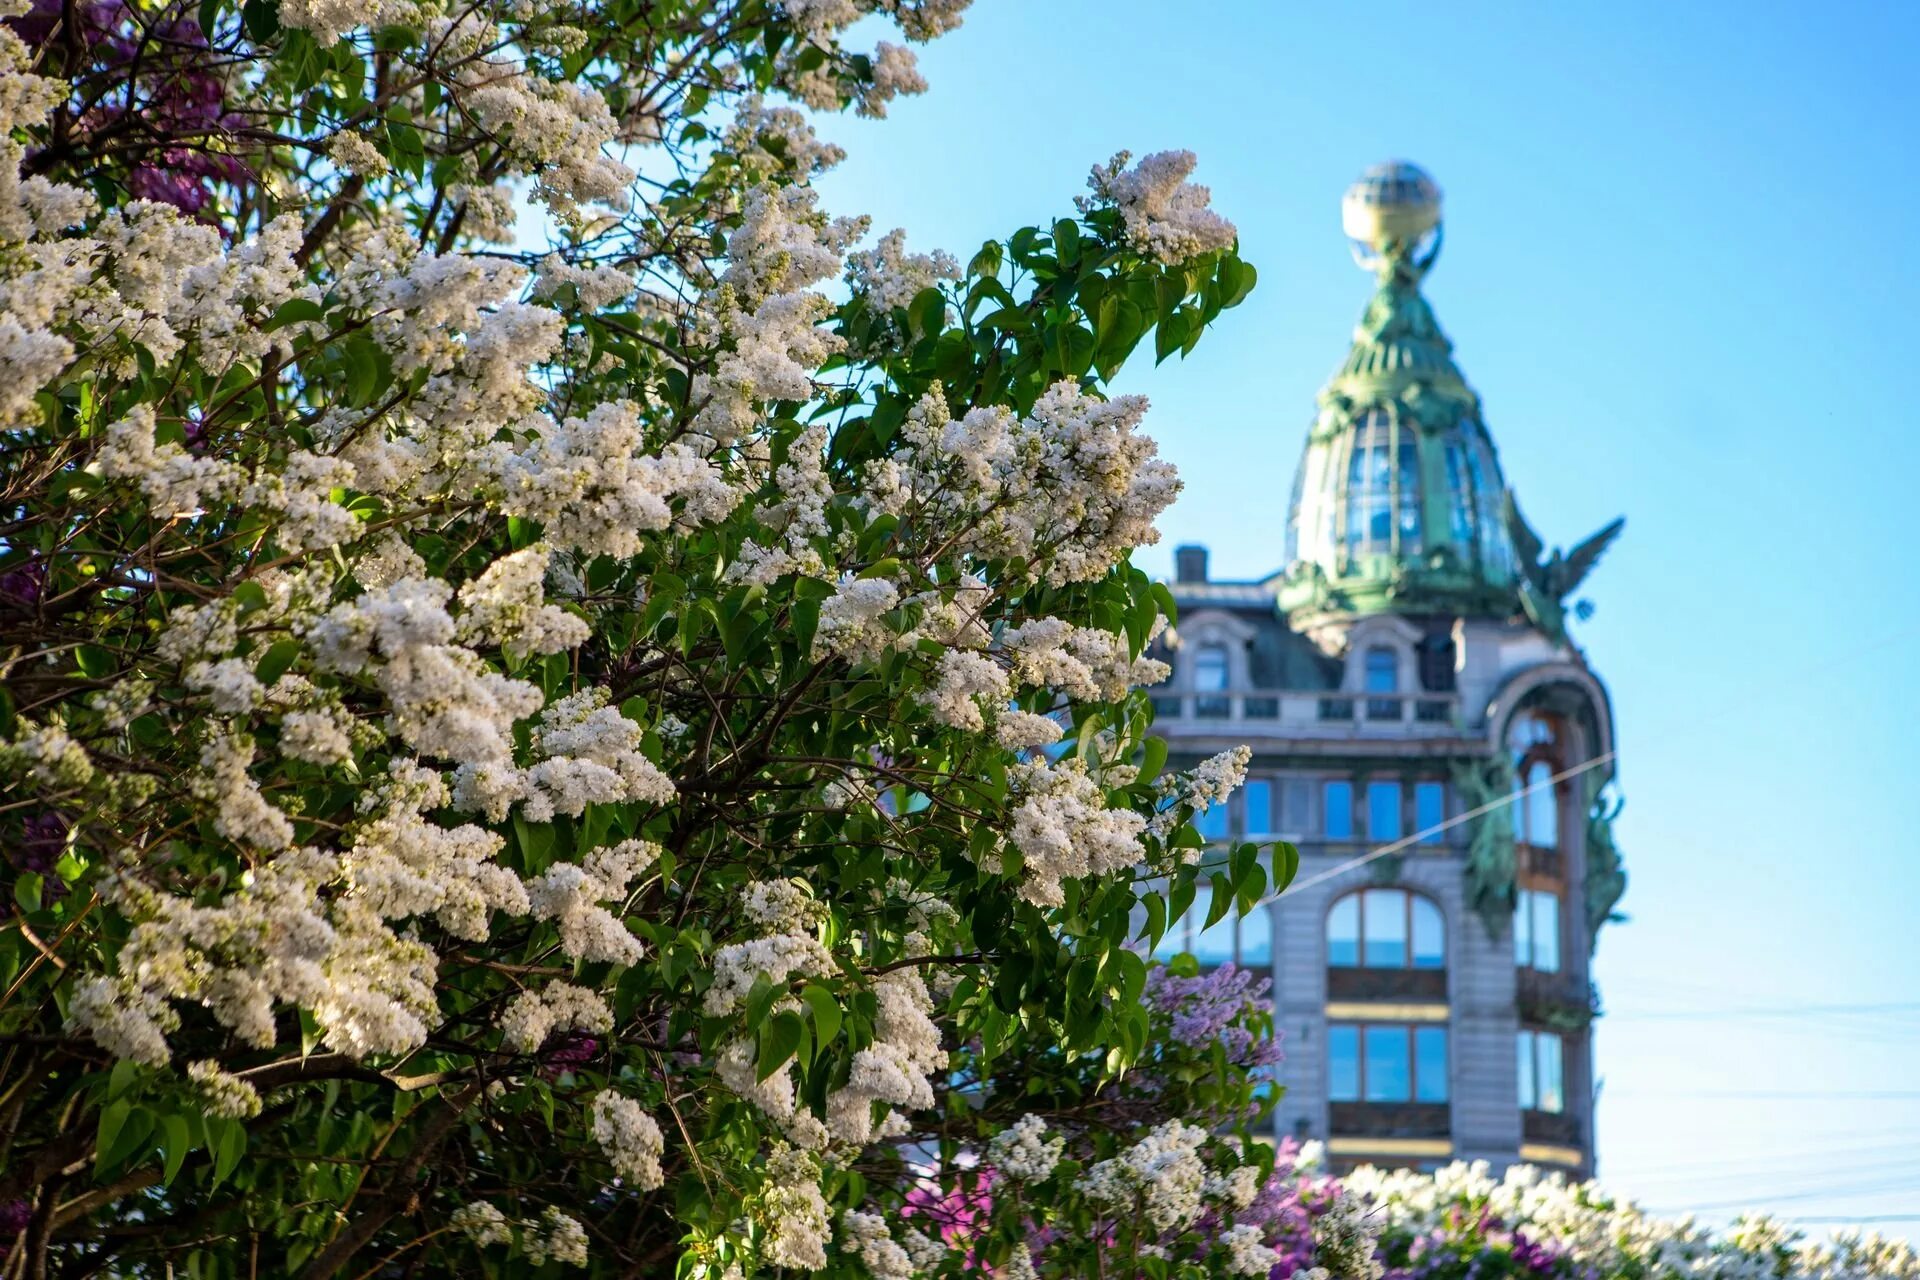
(1383, 811)
(1385, 1062)
(1542, 1071)
(1212, 825)
(1383, 488)
(1243, 940)
(1385, 929)
(1429, 811)
(1210, 682)
(1336, 814)
(1536, 930)
(1535, 742)
(1382, 674)
(1257, 797)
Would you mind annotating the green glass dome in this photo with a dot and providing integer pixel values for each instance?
(1398, 504)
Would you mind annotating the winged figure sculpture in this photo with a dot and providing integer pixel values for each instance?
(1546, 580)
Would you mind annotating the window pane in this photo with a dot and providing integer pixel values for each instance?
(1383, 810)
(1295, 795)
(1210, 670)
(1213, 823)
(1543, 827)
(1383, 671)
(1429, 937)
(1257, 796)
(1430, 1064)
(1214, 945)
(1343, 1064)
(1522, 928)
(1387, 1065)
(1343, 932)
(1553, 1095)
(1256, 939)
(1385, 928)
(1529, 1082)
(1546, 931)
(1338, 818)
(1430, 810)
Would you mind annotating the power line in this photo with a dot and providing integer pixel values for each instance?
(1774, 1011)
(1778, 1095)
(1449, 824)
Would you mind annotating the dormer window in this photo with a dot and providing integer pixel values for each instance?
(1210, 680)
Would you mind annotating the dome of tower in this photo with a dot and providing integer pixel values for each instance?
(1399, 502)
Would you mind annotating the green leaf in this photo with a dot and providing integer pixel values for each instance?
(113, 1117)
(779, 1041)
(175, 1141)
(1286, 864)
(26, 891)
(1221, 901)
(274, 662)
(825, 1010)
(295, 311)
(227, 1150)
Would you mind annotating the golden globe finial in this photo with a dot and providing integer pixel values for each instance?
(1392, 215)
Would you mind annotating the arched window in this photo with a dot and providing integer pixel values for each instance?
(1534, 740)
(1210, 682)
(1386, 929)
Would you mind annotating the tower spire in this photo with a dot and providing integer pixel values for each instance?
(1398, 502)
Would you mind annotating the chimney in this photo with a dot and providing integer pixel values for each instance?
(1190, 564)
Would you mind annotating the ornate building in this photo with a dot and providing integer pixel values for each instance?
(1407, 684)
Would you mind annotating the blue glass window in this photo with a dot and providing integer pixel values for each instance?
(1430, 1064)
(1256, 939)
(1542, 1071)
(1257, 798)
(1536, 930)
(1337, 816)
(1384, 920)
(1343, 1064)
(1213, 946)
(1383, 671)
(1386, 929)
(1388, 1065)
(1343, 932)
(1383, 811)
(1430, 810)
(1429, 936)
(1212, 824)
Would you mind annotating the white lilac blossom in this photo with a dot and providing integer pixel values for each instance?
(1064, 829)
(778, 958)
(630, 1138)
(224, 1093)
(481, 1223)
(556, 1237)
(865, 1235)
(794, 1211)
(1068, 488)
(1166, 216)
(1162, 1172)
(535, 1015)
(1022, 1152)
(888, 276)
(1247, 1253)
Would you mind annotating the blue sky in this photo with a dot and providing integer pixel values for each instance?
(1681, 270)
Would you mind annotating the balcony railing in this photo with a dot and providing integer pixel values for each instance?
(1305, 712)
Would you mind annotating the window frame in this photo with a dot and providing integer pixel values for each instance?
(1411, 901)
(1415, 1078)
(1529, 1060)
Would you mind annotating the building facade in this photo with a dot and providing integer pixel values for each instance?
(1427, 735)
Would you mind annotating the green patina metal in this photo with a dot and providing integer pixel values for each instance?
(1606, 875)
(1490, 869)
(1398, 499)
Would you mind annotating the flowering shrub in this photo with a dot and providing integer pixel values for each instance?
(1460, 1222)
(559, 711)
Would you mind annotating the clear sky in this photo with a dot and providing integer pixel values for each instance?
(1682, 267)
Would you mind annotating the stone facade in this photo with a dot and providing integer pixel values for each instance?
(1410, 664)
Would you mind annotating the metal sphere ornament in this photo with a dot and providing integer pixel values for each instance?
(1391, 215)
